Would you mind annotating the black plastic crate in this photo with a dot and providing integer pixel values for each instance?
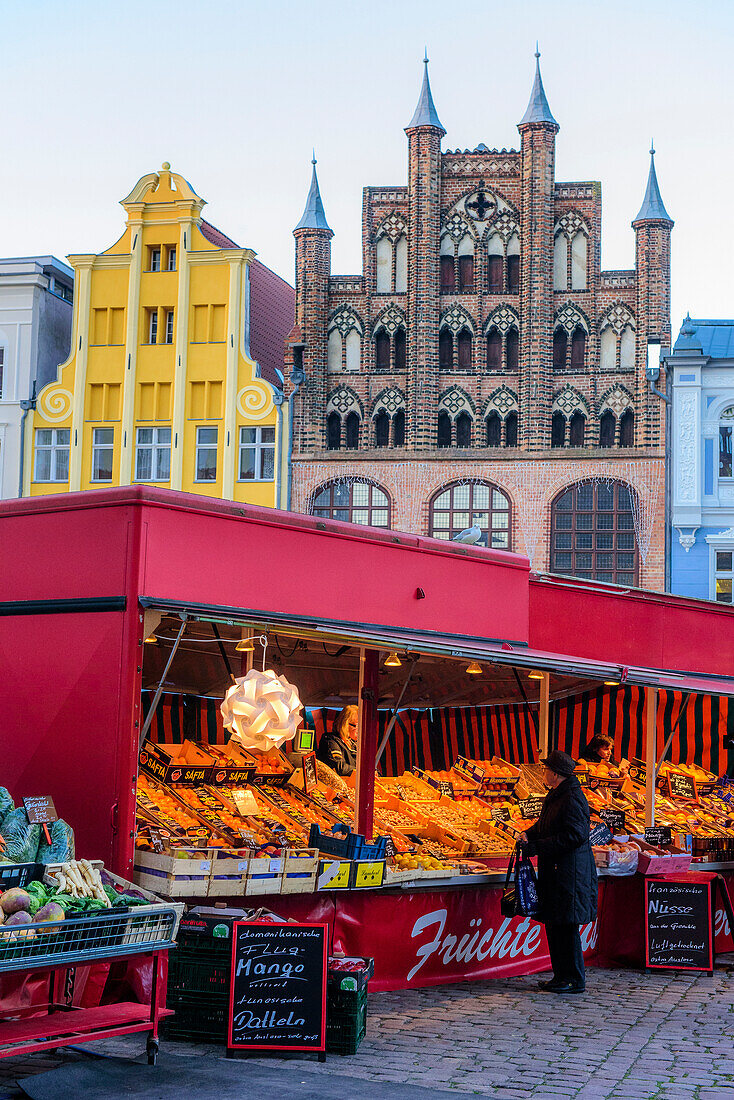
(345, 1031)
(186, 975)
(345, 1002)
(20, 874)
(198, 1016)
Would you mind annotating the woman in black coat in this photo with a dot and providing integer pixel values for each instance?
(567, 884)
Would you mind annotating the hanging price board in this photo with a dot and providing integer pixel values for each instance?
(682, 786)
(310, 779)
(531, 807)
(615, 819)
(660, 836)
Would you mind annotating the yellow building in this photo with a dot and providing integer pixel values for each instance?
(162, 386)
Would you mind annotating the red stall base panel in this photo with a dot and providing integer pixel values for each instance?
(64, 1026)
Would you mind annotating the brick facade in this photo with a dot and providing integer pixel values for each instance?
(535, 271)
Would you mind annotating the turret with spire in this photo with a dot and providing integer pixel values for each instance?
(424, 227)
(652, 228)
(313, 268)
(538, 129)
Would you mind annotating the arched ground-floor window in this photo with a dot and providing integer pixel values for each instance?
(354, 501)
(593, 533)
(454, 508)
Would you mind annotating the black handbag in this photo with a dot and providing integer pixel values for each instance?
(520, 894)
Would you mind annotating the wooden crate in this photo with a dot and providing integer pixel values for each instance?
(300, 869)
(165, 874)
(229, 875)
(264, 875)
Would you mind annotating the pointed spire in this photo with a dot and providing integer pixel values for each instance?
(425, 113)
(313, 215)
(688, 340)
(652, 208)
(538, 109)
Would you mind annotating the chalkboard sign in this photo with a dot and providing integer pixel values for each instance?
(615, 819)
(660, 836)
(277, 995)
(682, 786)
(40, 810)
(446, 788)
(531, 807)
(678, 918)
(310, 779)
(501, 813)
(600, 834)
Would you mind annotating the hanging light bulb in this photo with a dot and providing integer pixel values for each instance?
(474, 668)
(246, 643)
(393, 661)
(151, 640)
(611, 683)
(535, 675)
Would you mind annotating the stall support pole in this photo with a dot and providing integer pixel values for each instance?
(369, 668)
(543, 715)
(651, 739)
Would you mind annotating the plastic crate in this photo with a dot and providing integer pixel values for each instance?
(346, 1020)
(189, 975)
(348, 846)
(198, 1016)
(20, 874)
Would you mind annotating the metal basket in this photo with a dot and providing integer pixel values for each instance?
(104, 935)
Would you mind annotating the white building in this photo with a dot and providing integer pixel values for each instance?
(36, 294)
(701, 370)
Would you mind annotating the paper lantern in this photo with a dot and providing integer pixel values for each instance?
(262, 710)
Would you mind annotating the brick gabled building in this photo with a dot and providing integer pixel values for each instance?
(484, 367)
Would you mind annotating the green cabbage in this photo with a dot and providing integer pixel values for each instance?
(21, 838)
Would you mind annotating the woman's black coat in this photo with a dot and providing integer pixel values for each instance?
(567, 884)
(335, 752)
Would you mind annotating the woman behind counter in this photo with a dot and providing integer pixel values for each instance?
(338, 749)
(599, 751)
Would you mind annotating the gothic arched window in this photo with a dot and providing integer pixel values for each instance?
(444, 430)
(445, 349)
(511, 430)
(382, 429)
(558, 430)
(400, 349)
(333, 431)
(352, 431)
(463, 430)
(513, 274)
(494, 430)
(577, 430)
(560, 349)
(627, 429)
(453, 508)
(382, 350)
(607, 428)
(512, 349)
(398, 429)
(494, 350)
(593, 533)
(354, 501)
(465, 350)
(578, 348)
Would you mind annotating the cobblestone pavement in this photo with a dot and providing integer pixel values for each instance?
(657, 1036)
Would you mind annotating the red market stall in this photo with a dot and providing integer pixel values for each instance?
(89, 577)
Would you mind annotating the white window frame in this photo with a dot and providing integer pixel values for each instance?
(169, 327)
(97, 449)
(2, 369)
(723, 543)
(55, 448)
(153, 326)
(171, 266)
(156, 446)
(202, 447)
(259, 447)
(729, 424)
(155, 259)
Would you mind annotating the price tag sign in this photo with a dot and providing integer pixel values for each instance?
(501, 813)
(678, 922)
(156, 841)
(446, 788)
(40, 810)
(660, 836)
(615, 819)
(310, 779)
(682, 786)
(531, 807)
(245, 803)
(600, 834)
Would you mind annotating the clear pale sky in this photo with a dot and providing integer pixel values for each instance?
(234, 95)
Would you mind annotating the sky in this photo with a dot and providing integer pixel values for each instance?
(235, 95)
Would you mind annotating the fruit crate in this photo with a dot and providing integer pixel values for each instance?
(20, 874)
(348, 846)
(175, 874)
(346, 1020)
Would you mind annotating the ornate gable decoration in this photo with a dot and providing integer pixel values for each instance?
(618, 317)
(568, 401)
(455, 401)
(457, 227)
(343, 400)
(571, 223)
(390, 400)
(618, 398)
(455, 319)
(503, 318)
(393, 226)
(502, 401)
(345, 320)
(474, 212)
(505, 226)
(391, 319)
(570, 317)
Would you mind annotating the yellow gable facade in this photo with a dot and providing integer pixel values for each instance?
(160, 387)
